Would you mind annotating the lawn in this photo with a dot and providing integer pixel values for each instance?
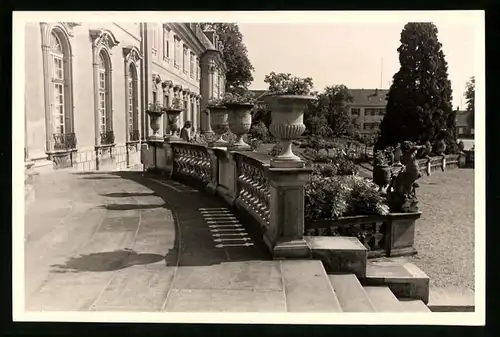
(444, 235)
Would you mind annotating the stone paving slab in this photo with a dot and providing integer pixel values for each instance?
(122, 242)
(223, 300)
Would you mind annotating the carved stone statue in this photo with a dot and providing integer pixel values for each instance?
(401, 194)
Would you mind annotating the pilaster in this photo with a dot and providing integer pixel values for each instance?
(285, 236)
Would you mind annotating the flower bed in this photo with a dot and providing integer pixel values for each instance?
(340, 204)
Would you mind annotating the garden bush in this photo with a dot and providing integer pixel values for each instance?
(330, 197)
(261, 132)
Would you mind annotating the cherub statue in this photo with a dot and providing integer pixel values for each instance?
(401, 194)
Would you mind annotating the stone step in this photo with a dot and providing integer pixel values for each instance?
(307, 287)
(350, 293)
(410, 305)
(383, 299)
(451, 300)
(405, 280)
(339, 254)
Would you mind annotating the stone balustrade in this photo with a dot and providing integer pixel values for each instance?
(246, 183)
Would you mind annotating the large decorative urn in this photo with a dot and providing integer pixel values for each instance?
(240, 121)
(173, 123)
(154, 123)
(287, 115)
(219, 123)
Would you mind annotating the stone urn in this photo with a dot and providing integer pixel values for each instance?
(240, 121)
(287, 115)
(382, 176)
(154, 123)
(219, 123)
(173, 123)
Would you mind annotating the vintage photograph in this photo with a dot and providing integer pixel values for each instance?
(322, 166)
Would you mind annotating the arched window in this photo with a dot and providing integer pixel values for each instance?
(104, 99)
(132, 103)
(106, 122)
(103, 42)
(58, 89)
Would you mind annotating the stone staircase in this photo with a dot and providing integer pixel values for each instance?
(360, 285)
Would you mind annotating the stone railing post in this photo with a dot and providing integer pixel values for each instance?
(285, 236)
(169, 156)
(443, 163)
(214, 165)
(428, 166)
(155, 156)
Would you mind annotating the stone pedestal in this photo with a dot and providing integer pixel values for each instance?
(285, 237)
(156, 147)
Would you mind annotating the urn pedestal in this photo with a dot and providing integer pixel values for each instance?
(219, 124)
(154, 123)
(287, 114)
(240, 121)
(173, 124)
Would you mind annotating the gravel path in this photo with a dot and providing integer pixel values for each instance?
(444, 235)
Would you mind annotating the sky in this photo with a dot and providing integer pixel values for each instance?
(355, 54)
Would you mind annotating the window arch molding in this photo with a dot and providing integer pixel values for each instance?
(103, 41)
(59, 127)
(132, 56)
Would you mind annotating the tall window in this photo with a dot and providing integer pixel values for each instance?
(184, 59)
(177, 51)
(216, 84)
(58, 82)
(132, 103)
(103, 92)
(166, 44)
(166, 103)
(191, 65)
(355, 111)
(154, 36)
(198, 71)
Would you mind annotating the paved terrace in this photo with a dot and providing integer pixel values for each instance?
(124, 242)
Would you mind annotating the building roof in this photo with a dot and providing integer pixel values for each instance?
(462, 118)
(375, 97)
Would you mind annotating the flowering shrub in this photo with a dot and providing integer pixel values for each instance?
(285, 84)
(330, 197)
(247, 97)
(176, 104)
(206, 139)
(156, 107)
(261, 132)
(215, 102)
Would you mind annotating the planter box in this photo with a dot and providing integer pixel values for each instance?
(390, 235)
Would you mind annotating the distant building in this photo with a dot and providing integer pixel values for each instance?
(368, 108)
(463, 127)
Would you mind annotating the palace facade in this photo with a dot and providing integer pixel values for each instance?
(88, 85)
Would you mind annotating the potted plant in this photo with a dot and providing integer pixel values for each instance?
(155, 111)
(239, 108)
(287, 97)
(173, 112)
(381, 169)
(218, 120)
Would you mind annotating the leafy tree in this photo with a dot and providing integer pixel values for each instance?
(329, 115)
(419, 105)
(235, 54)
(470, 90)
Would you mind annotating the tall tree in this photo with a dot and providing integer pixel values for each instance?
(419, 105)
(235, 55)
(470, 90)
(331, 109)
